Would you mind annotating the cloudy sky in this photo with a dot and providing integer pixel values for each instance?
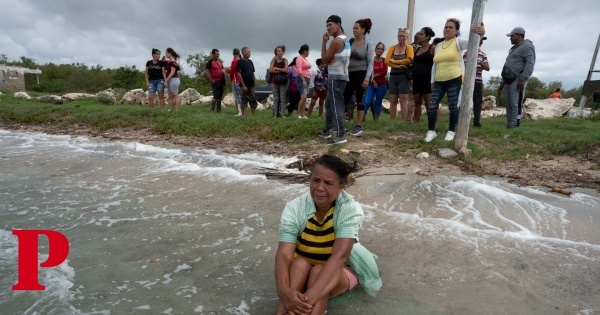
(118, 33)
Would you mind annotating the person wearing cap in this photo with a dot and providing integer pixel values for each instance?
(482, 64)
(337, 58)
(517, 70)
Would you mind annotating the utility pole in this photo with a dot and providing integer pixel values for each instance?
(462, 135)
(410, 22)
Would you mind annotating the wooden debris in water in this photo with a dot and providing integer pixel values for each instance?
(561, 190)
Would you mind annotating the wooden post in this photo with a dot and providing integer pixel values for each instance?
(466, 104)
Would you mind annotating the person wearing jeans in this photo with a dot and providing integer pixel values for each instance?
(236, 86)
(378, 86)
(278, 65)
(446, 75)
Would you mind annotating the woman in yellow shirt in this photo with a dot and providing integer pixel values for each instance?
(446, 76)
(399, 57)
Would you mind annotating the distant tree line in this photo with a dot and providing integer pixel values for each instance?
(78, 77)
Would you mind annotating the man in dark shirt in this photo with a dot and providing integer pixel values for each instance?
(245, 74)
(155, 79)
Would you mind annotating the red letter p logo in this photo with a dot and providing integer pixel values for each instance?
(28, 256)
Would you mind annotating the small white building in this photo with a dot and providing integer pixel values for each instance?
(13, 78)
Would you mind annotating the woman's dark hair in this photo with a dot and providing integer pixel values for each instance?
(557, 90)
(154, 51)
(380, 43)
(173, 53)
(365, 24)
(293, 63)
(429, 33)
(236, 52)
(319, 61)
(214, 51)
(437, 40)
(303, 48)
(337, 165)
(280, 46)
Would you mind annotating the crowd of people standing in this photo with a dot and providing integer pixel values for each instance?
(352, 75)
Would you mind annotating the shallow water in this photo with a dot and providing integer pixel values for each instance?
(171, 230)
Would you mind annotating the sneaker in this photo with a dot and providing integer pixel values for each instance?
(238, 114)
(305, 117)
(338, 140)
(478, 125)
(450, 136)
(430, 135)
(299, 117)
(324, 134)
(356, 131)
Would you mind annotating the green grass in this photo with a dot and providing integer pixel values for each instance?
(573, 137)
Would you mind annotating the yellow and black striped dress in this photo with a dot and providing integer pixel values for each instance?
(316, 241)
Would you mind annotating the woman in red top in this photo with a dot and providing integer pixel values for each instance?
(378, 85)
(172, 82)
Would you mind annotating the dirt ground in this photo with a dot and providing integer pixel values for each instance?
(554, 171)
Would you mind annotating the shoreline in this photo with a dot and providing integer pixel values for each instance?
(548, 171)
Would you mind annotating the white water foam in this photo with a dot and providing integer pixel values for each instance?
(505, 214)
(218, 166)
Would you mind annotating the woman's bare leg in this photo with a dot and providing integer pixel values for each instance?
(404, 107)
(393, 106)
(342, 285)
(150, 100)
(301, 105)
(299, 272)
(161, 99)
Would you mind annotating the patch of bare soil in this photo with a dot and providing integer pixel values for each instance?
(554, 171)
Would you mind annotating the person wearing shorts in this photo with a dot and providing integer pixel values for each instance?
(245, 72)
(319, 89)
(236, 87)
(421, 72)
(318, 240)
(302, 67)
(172, 81)
(400, 58)
(155, 78)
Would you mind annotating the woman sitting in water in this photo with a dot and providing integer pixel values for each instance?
(319, 256)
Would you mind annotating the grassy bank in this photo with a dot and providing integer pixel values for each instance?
(573, 137)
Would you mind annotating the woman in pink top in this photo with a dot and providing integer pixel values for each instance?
(302, 67)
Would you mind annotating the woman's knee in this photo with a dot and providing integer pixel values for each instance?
(300, 264)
